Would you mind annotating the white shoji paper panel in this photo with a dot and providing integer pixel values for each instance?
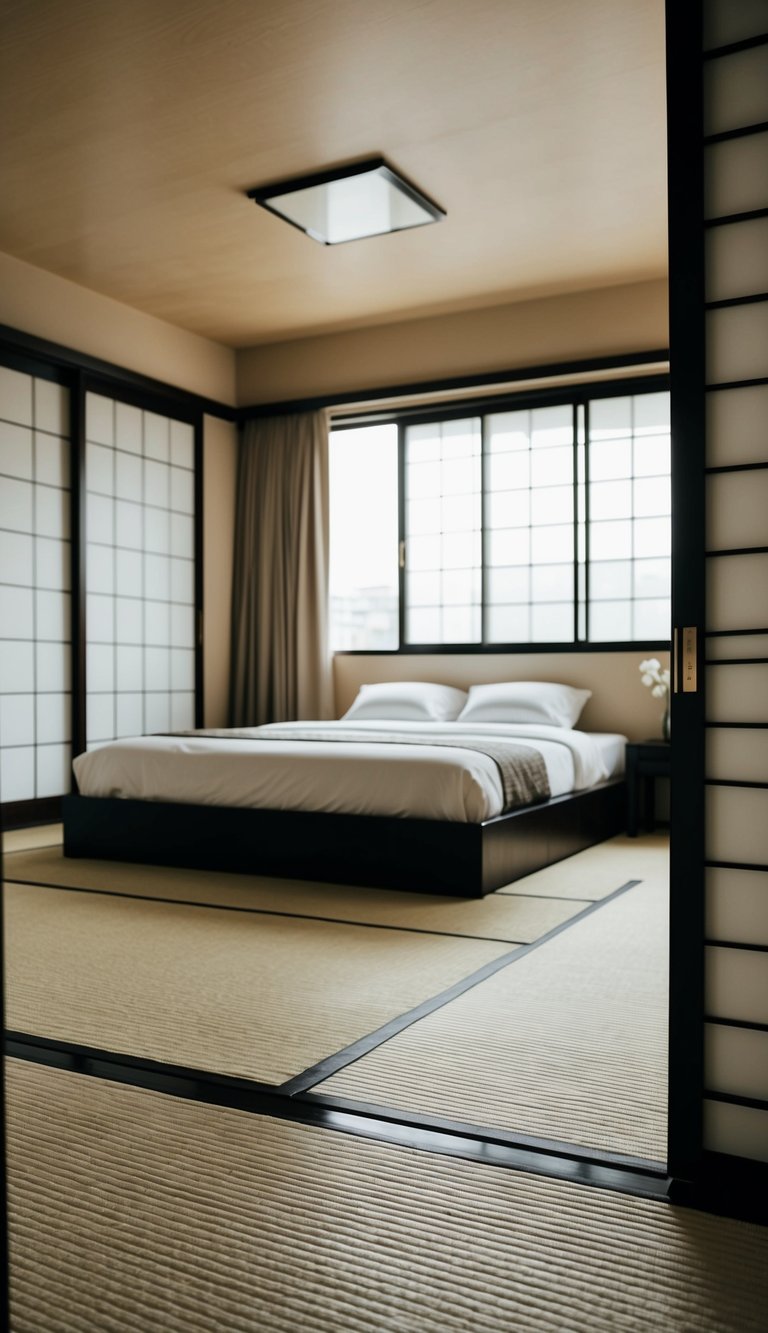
(737, 343)
(739, 1130)
(140, 579)
(35, 606)
(736, 984)
(736, 426)
(737, 828)
(736, 176)
(735, 646)
(737, 259)
(737, 905)
(736, 91)
(737, 754)
(728, 21)
(736, 1061)
(737, 592)
(737, 510)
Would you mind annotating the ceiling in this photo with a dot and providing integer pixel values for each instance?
(132, 128)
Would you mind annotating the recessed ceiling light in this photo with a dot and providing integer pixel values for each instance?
(347, 203)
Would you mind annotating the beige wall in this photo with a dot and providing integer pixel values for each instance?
(51, 307)
(611, 321)
(219, 475)
(619, 703)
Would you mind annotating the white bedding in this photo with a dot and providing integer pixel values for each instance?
(425, 782)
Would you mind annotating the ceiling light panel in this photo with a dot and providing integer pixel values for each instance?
(368, 199)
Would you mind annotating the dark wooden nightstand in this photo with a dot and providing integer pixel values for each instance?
(646, 761)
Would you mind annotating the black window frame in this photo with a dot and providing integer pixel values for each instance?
(577, 395)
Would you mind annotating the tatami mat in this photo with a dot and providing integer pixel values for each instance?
(516, 919)
(40, 835)
(131, 1210)
(597, 871)
(568, 1042)
(259, 996)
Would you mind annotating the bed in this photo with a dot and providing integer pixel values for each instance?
(446, 802)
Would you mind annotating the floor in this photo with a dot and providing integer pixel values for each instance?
(165, 1179)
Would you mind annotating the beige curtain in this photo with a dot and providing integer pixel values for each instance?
(281, 666)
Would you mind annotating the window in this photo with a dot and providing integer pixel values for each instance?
(364, 538)
(545, 523)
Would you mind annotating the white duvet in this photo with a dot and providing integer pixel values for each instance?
(420, 781)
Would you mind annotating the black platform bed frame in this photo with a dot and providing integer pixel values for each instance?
(418, 855)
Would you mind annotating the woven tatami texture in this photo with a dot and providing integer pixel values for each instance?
(259, 996)
(569, 1042)
(135, 1211)
(596, 872)
(40, 835)
(516, 919)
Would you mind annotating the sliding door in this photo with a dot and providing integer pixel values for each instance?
(35, 597)
(100, 570)
(718, 156)
(140, 618)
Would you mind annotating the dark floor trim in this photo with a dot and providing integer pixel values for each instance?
(467, 1129)
(222, 1089)
(236, 1094)
(323, 1070)
(732, 1192)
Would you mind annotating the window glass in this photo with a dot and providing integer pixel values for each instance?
(364, 535)
(442, 470)
(629, 513)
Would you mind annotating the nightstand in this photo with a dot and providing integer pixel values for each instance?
(646, 761)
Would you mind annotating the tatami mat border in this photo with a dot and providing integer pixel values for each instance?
(333, 1063)
(731, 1195)
(325, 1068)
(544, 1157)
(269, 911)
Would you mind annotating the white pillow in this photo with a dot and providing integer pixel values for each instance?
(408, 701)
(525, 701)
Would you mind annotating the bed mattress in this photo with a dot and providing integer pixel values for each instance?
(419, 781)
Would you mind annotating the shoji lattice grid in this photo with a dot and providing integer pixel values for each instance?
(530, 525)
(140, 617)
(736, 193)
(35, 600)
(443, 509)
(629, 518)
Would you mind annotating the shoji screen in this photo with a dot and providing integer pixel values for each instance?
(736, 333)
(35, 610)
(140, 571)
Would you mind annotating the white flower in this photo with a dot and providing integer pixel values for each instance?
(654, 677)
